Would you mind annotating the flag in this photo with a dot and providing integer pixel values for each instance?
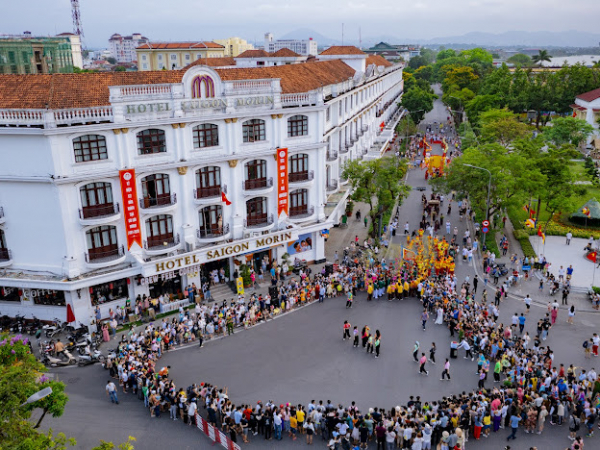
(224, 199)
(541, 234)
(530, 223)
(531, 213)
(592, 256)
(586, 211)
(526, 208)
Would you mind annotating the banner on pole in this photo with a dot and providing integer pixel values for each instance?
(282, 182)
(131, 212)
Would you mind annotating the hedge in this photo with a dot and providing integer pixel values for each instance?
(491, 244)
(523, 237)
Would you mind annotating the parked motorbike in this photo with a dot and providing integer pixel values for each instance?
(63, 359)
(18, 324)
(91, 357)
(33, 326)
(56, 327)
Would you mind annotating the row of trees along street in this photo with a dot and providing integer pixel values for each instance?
(531, 160)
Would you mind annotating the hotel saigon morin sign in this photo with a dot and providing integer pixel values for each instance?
(191, 262)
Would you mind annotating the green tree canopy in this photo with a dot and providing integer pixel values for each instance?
(424, 73)
(417, 61)
(21, 376)
(445, 54)
(568, 130)
(503, 126)
(418, 102)
(520, 59)
(542, 56)
(377, 182)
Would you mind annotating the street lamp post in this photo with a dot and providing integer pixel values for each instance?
(38, 395)
(487, 202)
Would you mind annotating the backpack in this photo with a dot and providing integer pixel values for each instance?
(585, 344)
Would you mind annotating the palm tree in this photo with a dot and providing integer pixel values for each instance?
(541, 57)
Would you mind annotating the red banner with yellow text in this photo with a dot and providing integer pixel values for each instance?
(130, 207)
(282, 182)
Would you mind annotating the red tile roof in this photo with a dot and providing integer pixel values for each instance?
(212, 62)
(343, 50)
(285, 52)
(590, 96)
(179, 45)
(254, 54)
(295, 77)
(378, 61)
(62, 91)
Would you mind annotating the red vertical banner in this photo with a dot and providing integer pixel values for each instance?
(131, 212)
(282, 182)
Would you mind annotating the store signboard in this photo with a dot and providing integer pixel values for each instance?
(181, 264)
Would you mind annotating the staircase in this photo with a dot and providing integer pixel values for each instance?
(220, 292)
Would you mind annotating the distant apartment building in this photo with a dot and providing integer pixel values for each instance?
(29, 54)
(175, 55)
(234, 46)
(304, 47)
(122, 48)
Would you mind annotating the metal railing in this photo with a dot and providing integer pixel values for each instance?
(344, 148)
(212, 231)
(259, 183)
(296, 177)
(152, 202)
(97, 211)
(332, 185)
(302, 211)
(208, 192)
(258, 221)
(106, 255)
(332, 155)
(161, 242)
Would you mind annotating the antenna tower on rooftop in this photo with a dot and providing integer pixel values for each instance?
(77, 26)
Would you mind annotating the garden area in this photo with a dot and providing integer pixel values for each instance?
(586, 188)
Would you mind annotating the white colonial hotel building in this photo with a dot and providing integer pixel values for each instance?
(186, 137)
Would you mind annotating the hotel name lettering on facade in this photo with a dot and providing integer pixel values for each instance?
(189, 105)
(191, 263)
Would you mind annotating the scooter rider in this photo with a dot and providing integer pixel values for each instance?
(59, 348)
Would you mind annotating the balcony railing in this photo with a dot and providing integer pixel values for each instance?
(259, 183)
(161, 242)
(332, 185)
(96, 211)
(212, 231)
(106, 255)
(5, 254)
(258, 220)
(210, 191)
(332, 155)
(296, 177)
(163, 200)
(302, 211)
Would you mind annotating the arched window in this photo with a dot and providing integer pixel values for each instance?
(254, 130)
(151, 141)
(206, 135)
(210, 219)
(256, 211)
(256, 174)
(297, 126)
(102, 242)
(91, 147)
(298, 167)
(96, 200)
(298, 202)
(159, 230)
(156, 191)
(208, 182)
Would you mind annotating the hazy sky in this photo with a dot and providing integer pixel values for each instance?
(194, 19)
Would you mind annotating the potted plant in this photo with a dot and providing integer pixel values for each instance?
(286, 263)
(245, 274)
(349, 208)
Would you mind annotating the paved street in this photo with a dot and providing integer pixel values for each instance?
(301, 356)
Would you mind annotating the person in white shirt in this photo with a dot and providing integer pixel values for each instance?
(569, 236)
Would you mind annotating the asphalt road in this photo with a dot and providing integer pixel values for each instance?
(301, 356)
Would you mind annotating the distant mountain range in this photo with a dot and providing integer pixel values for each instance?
(510, 38)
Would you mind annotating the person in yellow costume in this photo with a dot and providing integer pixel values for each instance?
(391, 290)
(399, 290)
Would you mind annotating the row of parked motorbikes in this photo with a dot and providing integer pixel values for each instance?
(78, 340)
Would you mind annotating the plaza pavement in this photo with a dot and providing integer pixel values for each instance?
(301, 356)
